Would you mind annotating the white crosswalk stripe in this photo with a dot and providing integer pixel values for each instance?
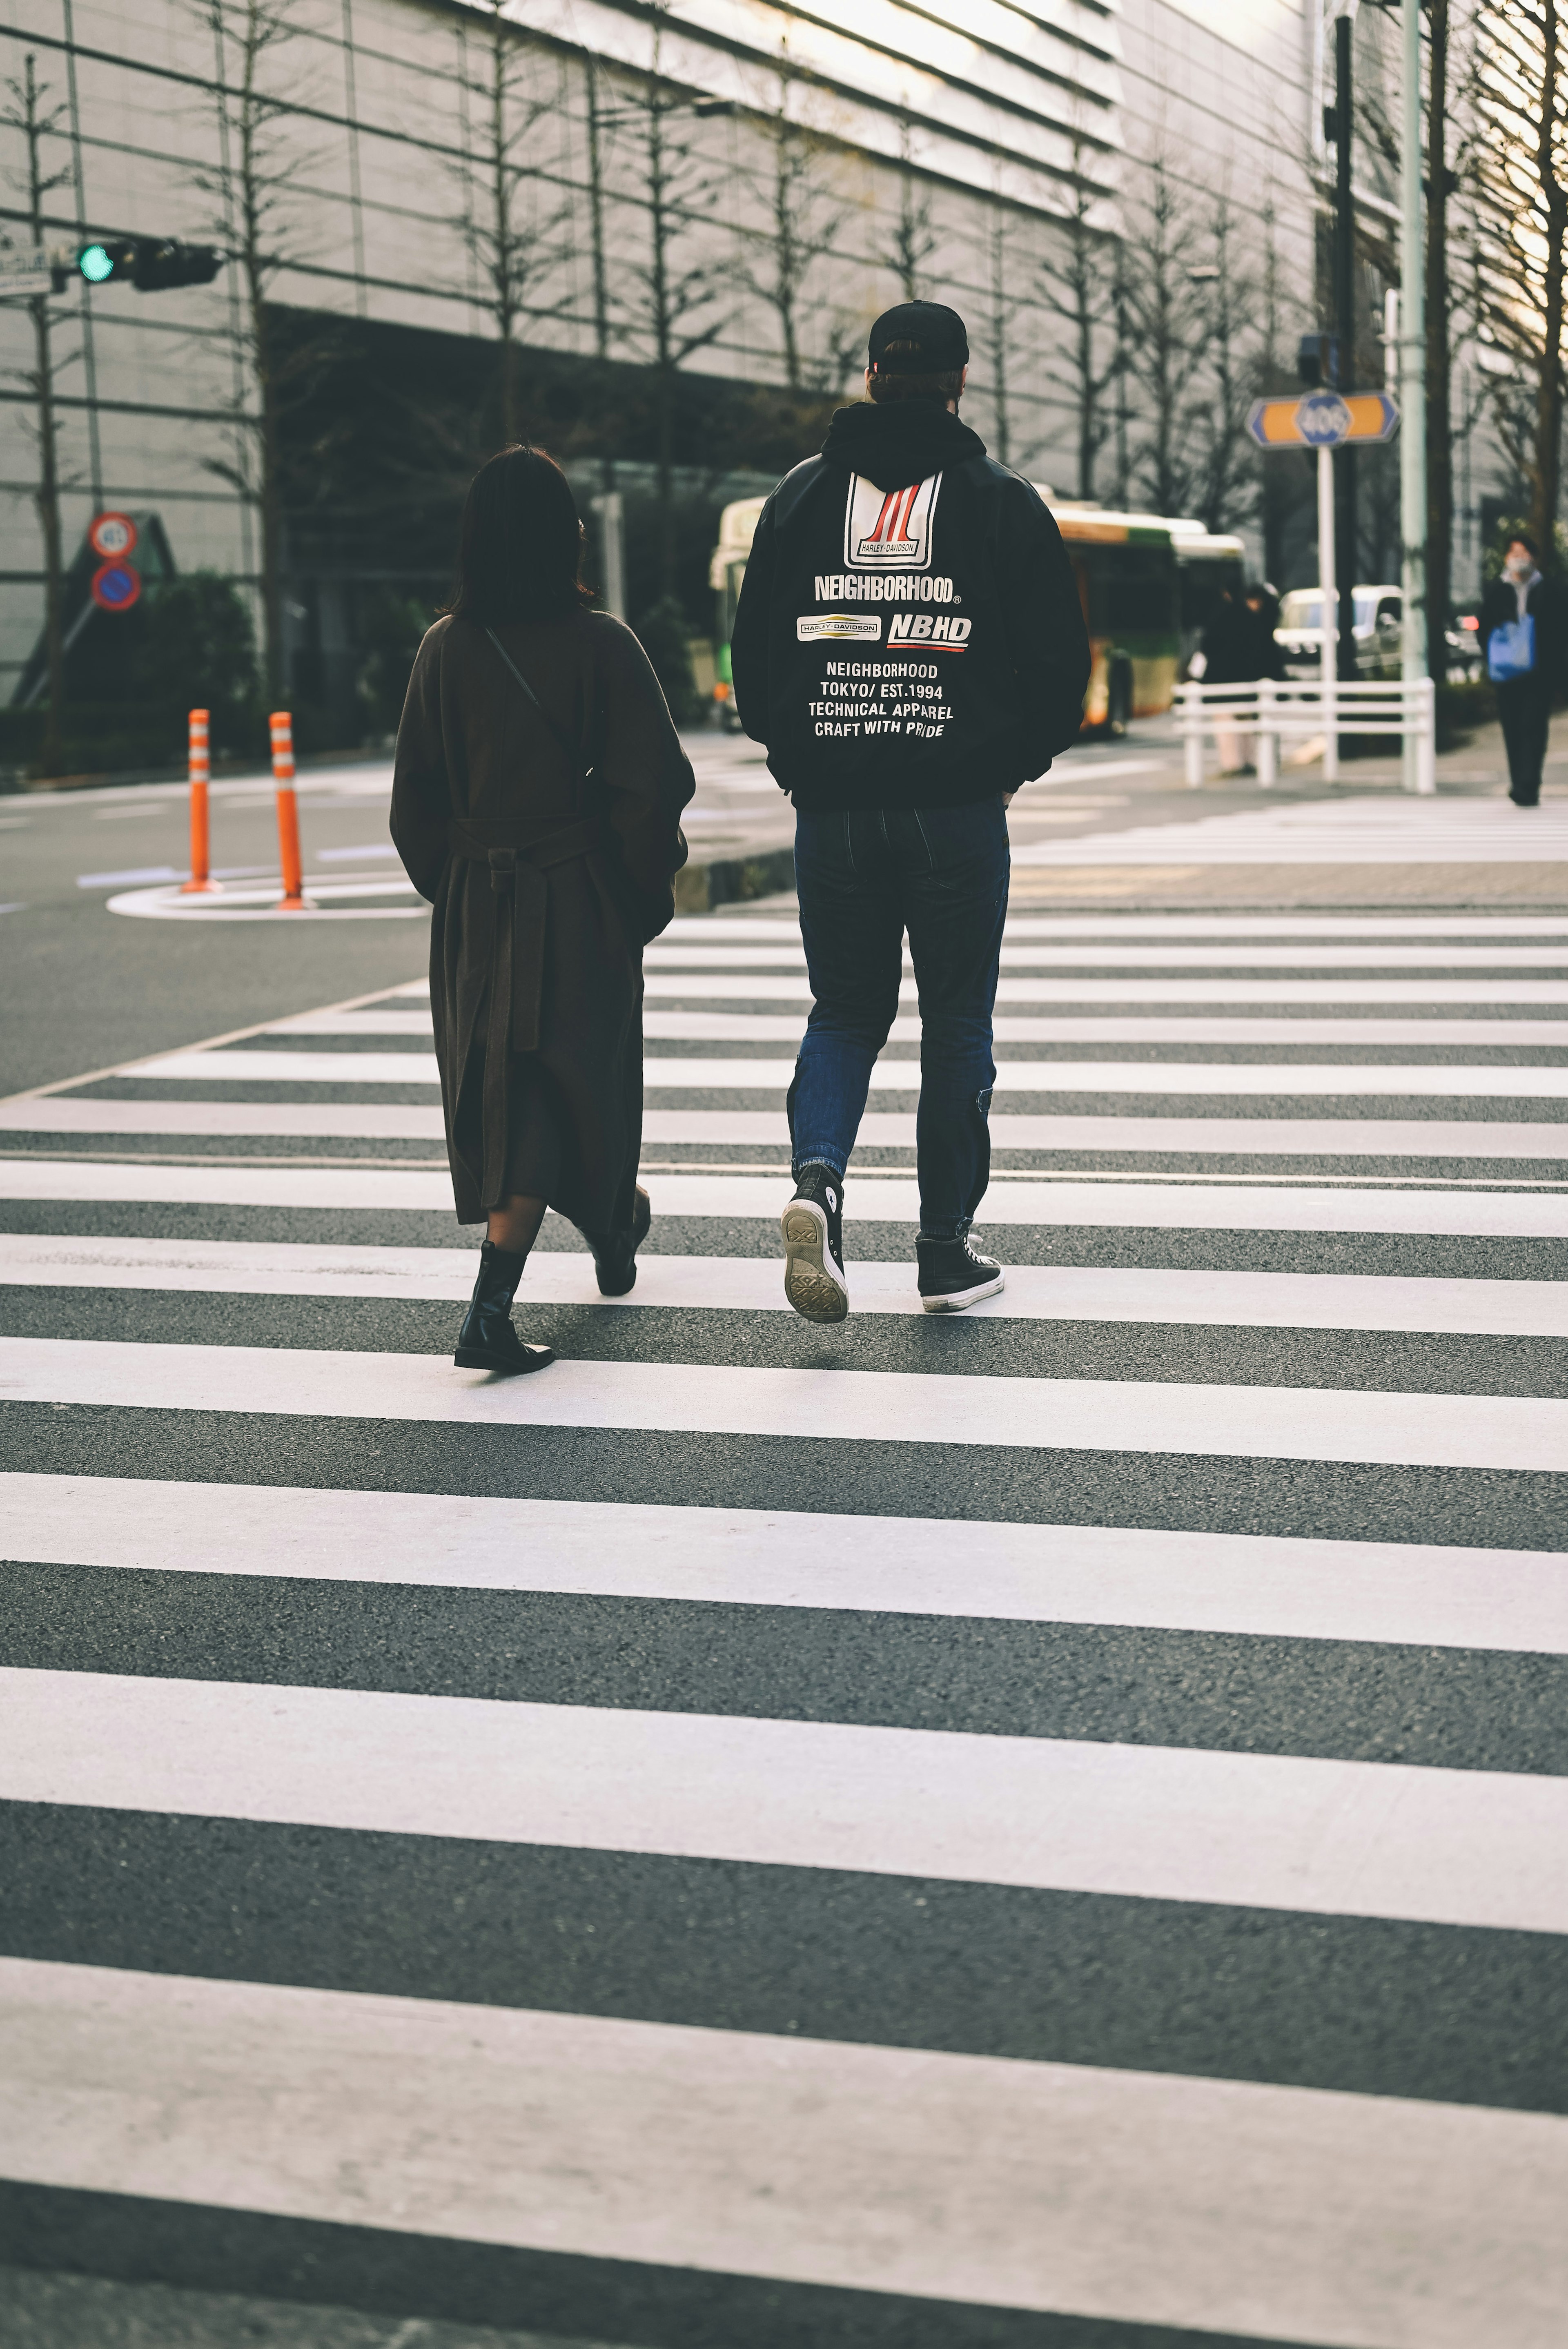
(1271, 1586)
(1515, 1308)
(1340, 1838)
(1386, 831)
(1074, 1718)
(802, 2161)
(1323, 1423)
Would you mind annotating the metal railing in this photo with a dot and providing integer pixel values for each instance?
(1308, 710)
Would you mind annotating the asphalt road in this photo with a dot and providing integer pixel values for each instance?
(1040, 1831)
(85, 992)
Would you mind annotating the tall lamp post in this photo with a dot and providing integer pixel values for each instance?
(1412, 373)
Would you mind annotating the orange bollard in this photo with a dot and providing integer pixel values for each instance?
(294, 899)
(201, 883)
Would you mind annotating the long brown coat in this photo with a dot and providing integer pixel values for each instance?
(546, 883)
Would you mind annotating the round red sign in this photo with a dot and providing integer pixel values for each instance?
(116, 587)
(111, 536)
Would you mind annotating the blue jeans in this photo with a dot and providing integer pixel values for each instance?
(864, 876)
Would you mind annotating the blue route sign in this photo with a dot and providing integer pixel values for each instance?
(1324, 420)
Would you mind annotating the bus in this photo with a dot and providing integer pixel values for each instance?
(1148, 585)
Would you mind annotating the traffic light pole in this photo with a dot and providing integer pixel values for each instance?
(1345, 323)
(1412, 380)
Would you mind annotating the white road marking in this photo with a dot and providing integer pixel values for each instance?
(319, 1120)
(1440, 955)
(786, 1028)
(1346, 1137)
(1302, 1079)
(1508, 1432)
(1345, 1079)
(1304, 2214)
(748, 927)
(890, 1198)
(766, 986)
(1257, 1300)
(1269, 1586)
(1382, 831)
(293, 1067)
(1520, 1034)
(1463, 1848)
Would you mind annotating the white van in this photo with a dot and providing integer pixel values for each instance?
(1379, 631)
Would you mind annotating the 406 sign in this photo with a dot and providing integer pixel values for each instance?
(1324, 420)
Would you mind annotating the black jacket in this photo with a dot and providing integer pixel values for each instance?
(908, 632)
(1239, 648)
(1547, 603)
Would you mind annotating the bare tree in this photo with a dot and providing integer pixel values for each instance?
(29, 112)
(912, 239)
(513, 239)
(1227, 298)
(1520, 184)
(597, 128)
(840, 352)
(1165, 346)
(671, 310)
(1002, 306)
(1081, 275)
(802, 220)
(250, 184)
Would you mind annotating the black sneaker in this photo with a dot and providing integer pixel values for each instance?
(812, 1224)
(954, 1275)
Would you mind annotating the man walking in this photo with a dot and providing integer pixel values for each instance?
(1525, 639)
(911, 647)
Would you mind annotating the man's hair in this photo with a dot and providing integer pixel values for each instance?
(1523, 538)
(887, 387)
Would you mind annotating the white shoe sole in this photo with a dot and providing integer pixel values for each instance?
(960, 1297)
(814, 1284)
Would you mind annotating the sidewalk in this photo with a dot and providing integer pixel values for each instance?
(1467, 846)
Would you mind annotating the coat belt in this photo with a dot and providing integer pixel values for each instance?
(517, 869)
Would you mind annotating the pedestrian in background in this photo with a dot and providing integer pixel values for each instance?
(909, 646)
(1239, 648)
(536, 799)
(1525, 636)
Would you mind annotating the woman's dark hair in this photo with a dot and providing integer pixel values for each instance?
(1523, 538)
(519, 555)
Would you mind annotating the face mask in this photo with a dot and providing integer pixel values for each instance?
(1518, 566)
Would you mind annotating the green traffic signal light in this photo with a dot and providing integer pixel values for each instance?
(151, 263)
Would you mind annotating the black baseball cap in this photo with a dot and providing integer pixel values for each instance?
(928, 338)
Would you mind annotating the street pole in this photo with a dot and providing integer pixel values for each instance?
(610, 508)
(1412, 378)
(1344, 320)
(1326, 589)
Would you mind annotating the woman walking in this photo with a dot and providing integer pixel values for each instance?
(536, 802)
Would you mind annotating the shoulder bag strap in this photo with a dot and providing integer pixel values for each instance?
(574, 755)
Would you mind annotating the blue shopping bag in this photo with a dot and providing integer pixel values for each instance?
(1511, 650)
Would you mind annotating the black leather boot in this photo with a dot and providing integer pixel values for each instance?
(487, 1340)
(615, 1253)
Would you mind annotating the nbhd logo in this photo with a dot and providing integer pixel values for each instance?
(889, 530)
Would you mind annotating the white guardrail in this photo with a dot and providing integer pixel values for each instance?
(1310, 710)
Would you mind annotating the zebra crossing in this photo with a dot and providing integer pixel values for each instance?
(1049, 1829)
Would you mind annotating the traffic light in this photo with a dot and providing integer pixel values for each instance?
(151, 263)
(100, 263)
